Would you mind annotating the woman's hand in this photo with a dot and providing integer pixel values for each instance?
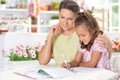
(105, 42)
(55, 29)
(67, 66)
(102, 40)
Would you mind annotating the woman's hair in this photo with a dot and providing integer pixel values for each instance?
(70, 5)
(91, 24)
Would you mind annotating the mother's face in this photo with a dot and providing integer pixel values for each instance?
(67, 18)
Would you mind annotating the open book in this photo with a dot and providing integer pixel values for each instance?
(58, 72)
(54, 72)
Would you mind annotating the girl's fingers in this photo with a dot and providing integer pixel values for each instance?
(64, 65)
(67, 66)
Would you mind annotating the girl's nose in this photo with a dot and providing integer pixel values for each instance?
(81, 39)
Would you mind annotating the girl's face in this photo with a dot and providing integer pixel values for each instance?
(66, 18)
(83, 34)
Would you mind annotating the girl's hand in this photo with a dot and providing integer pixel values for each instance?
(67, 66)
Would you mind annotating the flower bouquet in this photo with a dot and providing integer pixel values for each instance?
(23, 53)
(116, 45)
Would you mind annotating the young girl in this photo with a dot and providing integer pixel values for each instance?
(89, 54)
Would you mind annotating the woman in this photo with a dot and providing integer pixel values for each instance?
(62, 38)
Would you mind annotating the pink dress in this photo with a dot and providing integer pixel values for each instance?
(104, 61)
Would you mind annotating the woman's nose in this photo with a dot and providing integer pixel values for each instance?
(65, 21)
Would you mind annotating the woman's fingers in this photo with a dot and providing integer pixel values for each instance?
(105, 42)
(102, 40)
(60, 29)
(57, 28)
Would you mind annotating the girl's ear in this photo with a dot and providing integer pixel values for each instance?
(101, 32)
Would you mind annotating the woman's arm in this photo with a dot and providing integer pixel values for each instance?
(47, 51)
(94, 60)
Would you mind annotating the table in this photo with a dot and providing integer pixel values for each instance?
(115, 62)
(7, 72)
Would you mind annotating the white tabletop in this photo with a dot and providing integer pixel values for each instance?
(8, 72)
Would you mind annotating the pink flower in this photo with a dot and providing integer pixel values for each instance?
(19, 53)
(27, 47)
(38, 47)
(25, 53)
(3, 52)
(32, 53)
(11, 50)
(18, 48)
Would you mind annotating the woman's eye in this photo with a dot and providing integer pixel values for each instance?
(62, 17)
(70, 18)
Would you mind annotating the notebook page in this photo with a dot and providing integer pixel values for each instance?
(84, 69)
(57, 72)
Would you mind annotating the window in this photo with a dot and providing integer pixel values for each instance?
(114, 8)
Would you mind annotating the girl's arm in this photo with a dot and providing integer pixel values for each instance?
(94, 60)
(75, 62)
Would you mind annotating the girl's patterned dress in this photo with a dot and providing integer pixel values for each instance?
(104, 60)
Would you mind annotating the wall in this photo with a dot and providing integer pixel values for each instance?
(112, 35)
(11, 40)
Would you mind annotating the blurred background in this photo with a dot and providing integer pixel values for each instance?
(38, 15)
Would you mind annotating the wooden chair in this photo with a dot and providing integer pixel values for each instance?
(102, 16)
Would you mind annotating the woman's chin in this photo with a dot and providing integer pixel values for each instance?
(65, 29)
